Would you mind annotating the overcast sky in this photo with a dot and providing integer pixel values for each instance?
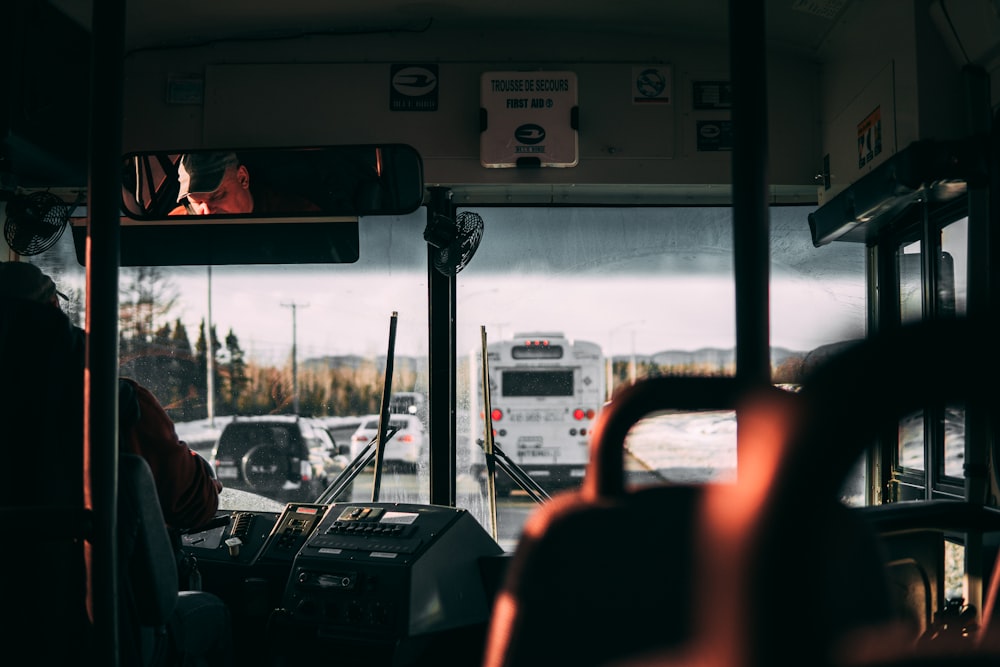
(659, 291)
(631, 279)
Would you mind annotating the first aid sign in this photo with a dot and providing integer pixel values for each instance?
(529, 119)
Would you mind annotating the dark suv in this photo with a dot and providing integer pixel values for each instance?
(283, 457)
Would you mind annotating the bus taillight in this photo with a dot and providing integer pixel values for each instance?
(537, 343)
(580, 414)
(496, 414)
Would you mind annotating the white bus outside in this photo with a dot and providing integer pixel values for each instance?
(545, 392)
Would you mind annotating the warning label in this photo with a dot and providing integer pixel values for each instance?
(651, 84)
(870, 137)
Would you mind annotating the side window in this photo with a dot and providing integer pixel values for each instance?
(953, 290)
(953, 280)
(911, 293)
(930, 449)
(911, 441)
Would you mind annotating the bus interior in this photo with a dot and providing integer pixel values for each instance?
(764, 233)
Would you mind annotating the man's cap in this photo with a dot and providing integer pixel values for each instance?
(203, 172)
(21, 280)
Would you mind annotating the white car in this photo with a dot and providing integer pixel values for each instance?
(403, 450)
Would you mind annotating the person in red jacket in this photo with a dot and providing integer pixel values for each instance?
(185, 482)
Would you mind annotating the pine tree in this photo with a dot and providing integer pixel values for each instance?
(236, 372)
(179, 337)
(163, 335)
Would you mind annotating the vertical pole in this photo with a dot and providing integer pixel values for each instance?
(611, 365)
(295, 363)
(751, 244)
(101, 374)
(980, 424)
(210, 357)
(751, 231)
(441, 383)
(632, 369)
(295, 355)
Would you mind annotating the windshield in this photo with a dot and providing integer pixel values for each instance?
(625, 292)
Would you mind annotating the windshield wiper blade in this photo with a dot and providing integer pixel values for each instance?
(359, 463)
(520, 477)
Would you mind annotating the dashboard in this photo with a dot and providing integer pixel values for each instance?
(373, 583)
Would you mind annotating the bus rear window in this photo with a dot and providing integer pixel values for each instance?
(536, 352)
(537, 383)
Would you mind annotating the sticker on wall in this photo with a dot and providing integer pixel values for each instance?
(711, 95)
(413, 88)
(870, 137)
(651, 84)
(715, 135)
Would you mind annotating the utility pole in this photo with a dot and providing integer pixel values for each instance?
(611, 355)
(295, 368)
(210, 357)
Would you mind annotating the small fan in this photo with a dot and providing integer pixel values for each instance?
(35, 222)
(456, 241)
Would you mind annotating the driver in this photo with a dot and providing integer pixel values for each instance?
(185, 482)
(218, 183)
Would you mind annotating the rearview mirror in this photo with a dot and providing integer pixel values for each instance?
(358, 180)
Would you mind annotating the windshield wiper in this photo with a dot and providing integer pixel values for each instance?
(376, 447)
(359, 463)
(496, 456)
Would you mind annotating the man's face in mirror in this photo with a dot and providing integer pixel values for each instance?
(232, 195)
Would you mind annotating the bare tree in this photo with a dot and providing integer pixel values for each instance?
(146, 297)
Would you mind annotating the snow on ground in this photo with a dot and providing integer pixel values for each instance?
(201, 434)
(689, 447)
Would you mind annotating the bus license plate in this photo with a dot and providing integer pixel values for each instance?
(534, 416)
(547, 453)
(537, 453)
(226, 473)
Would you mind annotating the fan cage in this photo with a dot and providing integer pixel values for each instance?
(35, 222)
(456, 255)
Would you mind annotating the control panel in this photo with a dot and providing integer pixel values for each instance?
(232, 538)
(293, 528)
(389, 573)
(373, 529)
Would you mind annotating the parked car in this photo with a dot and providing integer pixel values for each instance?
(341, 429)
(403, 450)
(284, 457)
